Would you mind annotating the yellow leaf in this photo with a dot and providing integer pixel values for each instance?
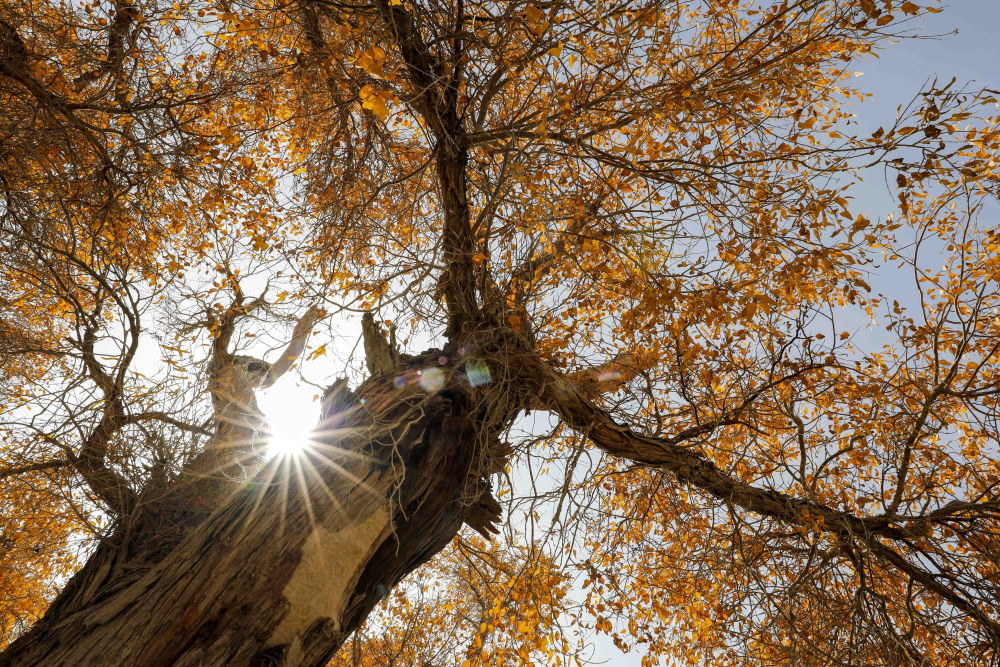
(536, 19)
(371, 61)
(533, 14)
(375, 101)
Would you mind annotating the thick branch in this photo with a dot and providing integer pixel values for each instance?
(109, 486)
(568, 401)
(119, 31)
(91, 463)
(458, 280)
(423, 70)
(33, 467)
(166, 419)
(604, 378)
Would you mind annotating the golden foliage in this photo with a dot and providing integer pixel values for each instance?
(655, 199)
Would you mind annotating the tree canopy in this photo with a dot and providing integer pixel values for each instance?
(698, 399)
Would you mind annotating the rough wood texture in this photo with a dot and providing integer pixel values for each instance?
(280, 573)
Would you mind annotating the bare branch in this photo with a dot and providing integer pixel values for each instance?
(294, 350)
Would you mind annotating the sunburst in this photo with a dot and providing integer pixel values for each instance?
(291, 414)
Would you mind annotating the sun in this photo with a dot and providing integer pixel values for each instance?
(291, 413)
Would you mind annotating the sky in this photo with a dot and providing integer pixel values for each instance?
(963, 41)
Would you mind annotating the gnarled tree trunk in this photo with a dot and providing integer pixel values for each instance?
(287, 565)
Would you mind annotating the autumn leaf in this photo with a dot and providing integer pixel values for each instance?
(371, 61)
(376, 100)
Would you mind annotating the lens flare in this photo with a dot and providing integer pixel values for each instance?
(431, 379)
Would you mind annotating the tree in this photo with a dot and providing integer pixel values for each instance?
(634, 217)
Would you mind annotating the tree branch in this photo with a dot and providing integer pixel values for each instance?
(569, 402)
(294, 350)
(118, 30)
(381, 354)
(928, 581)
(91, 463)
(34, 467)
(435, 101)
(166, 419)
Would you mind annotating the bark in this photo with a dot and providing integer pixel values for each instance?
(285, 567)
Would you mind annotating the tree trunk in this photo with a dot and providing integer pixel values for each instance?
(285, 567)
